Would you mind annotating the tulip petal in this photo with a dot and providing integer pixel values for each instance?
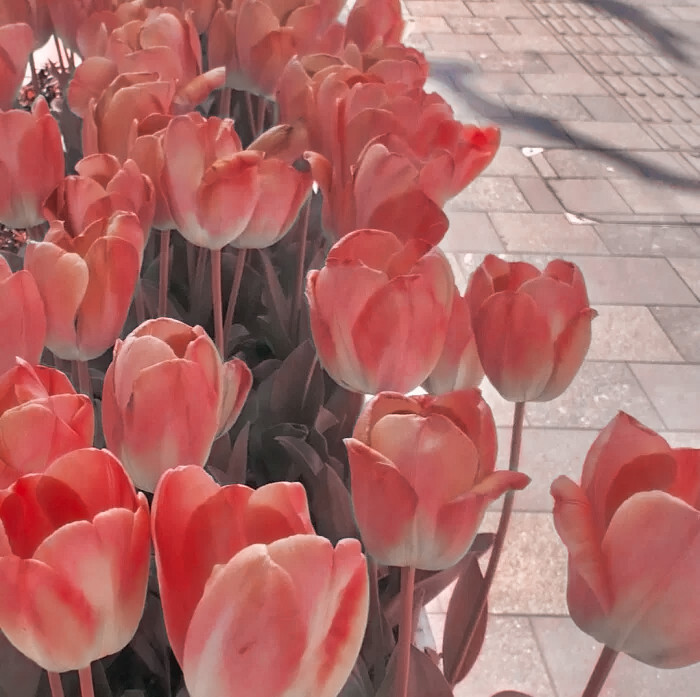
(277, 510)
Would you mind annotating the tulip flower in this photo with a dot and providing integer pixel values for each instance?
(68, 15)
(532, 328)
(631, 528)
(422, 471)
(202, 10)
(458, 367)
(245, 583)
(86, 279)
(42, 402)
(167, 396)
(22, 317)
(74, 560)
(16, 43)
(35, 13)
(379, 311)
(31, 163)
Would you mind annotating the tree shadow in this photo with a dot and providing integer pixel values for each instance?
(551, 128)
(667, 40)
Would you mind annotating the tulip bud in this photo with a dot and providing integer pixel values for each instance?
(16, 43)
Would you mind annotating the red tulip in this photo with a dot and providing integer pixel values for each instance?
(202, 10)
(86, 278)
(31, 163)
(422, 472)
(458, 367)
(16, 43)
(167, 396)
(68, 15)
(35, 13)
(22, 317)
(631, 528)
(42, 402)
(74, 559)
(372, 20)
(379, 311)
(245, 582)
(532, 328)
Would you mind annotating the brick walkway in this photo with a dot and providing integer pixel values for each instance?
(599, 105)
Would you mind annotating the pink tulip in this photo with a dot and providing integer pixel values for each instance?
(631, 528)
(532, 328)
(376, 300)
(74, 559)
(42, 402)
(31, 163)
(245, 582)
(35, 13)
(422, 472)
(68, 15)
(16, 43)
(22, 317)
(167, 396)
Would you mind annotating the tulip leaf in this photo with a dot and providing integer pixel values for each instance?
(276, 303)
(358, 684)
(302, 454)
(238, 460)
(459, 611)
(330, 506)
(424, 677)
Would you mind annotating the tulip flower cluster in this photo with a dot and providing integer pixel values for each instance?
(185, 479)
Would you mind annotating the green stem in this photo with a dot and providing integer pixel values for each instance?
(55, 684)
(600, 672)
(216, 300)
(35, 76)
(294, 330)
(86, 686)
(235, 287)
(163, 269)
(84, 380)
(403, 662)
(480, 605)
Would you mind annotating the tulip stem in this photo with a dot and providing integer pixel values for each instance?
(216, 300)
(251, 117)
(600, 672)
(35, 76)
(235, 287)
(480, 604)
(225, 103)
(260, 121)
(86, 687)
(295, 330)
(84, 380)
(139, 303)
(403, 662)
(55, 684)
(163, 269)
(59, 53)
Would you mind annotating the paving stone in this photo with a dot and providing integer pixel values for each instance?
(662, 110)
(690, 134)
(644, 196)
(457, 272)
(530, 26)
(510, 161)
(689, 270)
(497, 83)
(527, 129)
(499, 9)
(430, 25)
(597, 393)
(636, 85)
(512, 62)
(570, 84)
(549, 106)
(481, 25)
(667, 136)
(593, 62)
(589, 196)
(545, 232)
(649, 240)
(605, 109)
(437, 8)
(610, 135)
(518, 42)
(418, 41)
(674, 390)
(491, 194)
(630, 333)
(538, 195)
(642, 110)
(682, 325)
(614, 64)
(570, 655)
(562, 63)
(470, 232)
(456, 43)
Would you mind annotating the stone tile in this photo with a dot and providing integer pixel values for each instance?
(682, 325)
(649, 240)
(538, 195)
(468, 263)
(689, 269)
(501, 408)
(509, 660)
(511, 162)
(597, 393)
(519, 42)
(457, 272)
(589, 196)
(570, 655)
(545, 454)
(418, 41)
(498, 8)
(511, 62)
(605, 109)
(437, 8)
(454, 43)
(531, 577)
(610, 135)
(573, 84)
(497, 83)
(682, 439)
(531, 130)
(481, 25)
(531, 27)
(560, 62)
(545, 232)
(490, 194)
(546, 106)
(674, 390)
(629, 333)
(470, 232)
(644, 196)
(430, 24)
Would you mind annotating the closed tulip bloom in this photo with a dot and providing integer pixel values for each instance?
(74, 560)
(532, 328)
(22, 317)
(631, 528)
(86, 279)
(422, 471)
(245, 582)
(42, 402)
(31, 163)
(146, 423)
(379, 311)
(458, 367)
(16, 43)
(35, 13)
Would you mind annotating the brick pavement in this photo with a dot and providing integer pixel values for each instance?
(599, 106)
